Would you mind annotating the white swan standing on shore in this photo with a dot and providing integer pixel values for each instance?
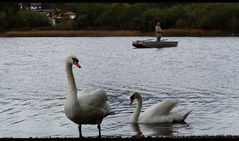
(157, 113)
(89, 106)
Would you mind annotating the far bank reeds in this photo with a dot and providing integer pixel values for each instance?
(97, 33)
(82, 33)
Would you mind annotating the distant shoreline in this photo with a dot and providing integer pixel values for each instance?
(105, 33)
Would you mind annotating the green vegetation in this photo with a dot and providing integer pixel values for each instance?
(126, 16)
(26, 19)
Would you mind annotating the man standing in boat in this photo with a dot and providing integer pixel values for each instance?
(158, 31)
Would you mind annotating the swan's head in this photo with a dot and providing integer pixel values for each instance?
(72, 59)
(134, 95)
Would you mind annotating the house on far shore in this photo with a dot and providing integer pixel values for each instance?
(30, 6)
(55, 16)
(35, 6)
(50, 13)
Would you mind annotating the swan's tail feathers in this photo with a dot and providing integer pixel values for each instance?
(186, 114)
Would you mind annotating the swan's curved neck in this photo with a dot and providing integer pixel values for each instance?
(136, 114)
(70, 78)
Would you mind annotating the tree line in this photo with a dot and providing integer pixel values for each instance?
(126, 16)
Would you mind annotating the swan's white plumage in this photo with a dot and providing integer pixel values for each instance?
(158, 113)
(93, 105)
(92, 96)
(88, 106)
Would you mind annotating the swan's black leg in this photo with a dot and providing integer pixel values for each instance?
(99, 131)
(79, 127)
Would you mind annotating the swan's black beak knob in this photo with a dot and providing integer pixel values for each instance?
(130, 102)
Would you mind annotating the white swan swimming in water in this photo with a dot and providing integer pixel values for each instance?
(157, 113)
(89, 106)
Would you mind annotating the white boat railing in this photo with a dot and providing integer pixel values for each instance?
(147, 40)
(153, 39)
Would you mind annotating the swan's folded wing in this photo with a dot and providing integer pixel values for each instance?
(162, 108)
(87, 91)
(94, 97)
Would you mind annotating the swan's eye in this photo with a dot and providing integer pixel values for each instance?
(75, 60)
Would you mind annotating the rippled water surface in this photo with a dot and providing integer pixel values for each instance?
(201, 74)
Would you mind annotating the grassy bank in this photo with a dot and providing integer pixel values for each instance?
(96, 33)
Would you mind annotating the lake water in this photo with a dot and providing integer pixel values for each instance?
(201, 74)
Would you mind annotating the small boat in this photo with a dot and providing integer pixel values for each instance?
(154, 44)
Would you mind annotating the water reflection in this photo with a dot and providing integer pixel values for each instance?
(160, 129)
(163, 129)
(201, 73)
(136, 129)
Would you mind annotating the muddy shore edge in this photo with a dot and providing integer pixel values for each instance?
(149, 138)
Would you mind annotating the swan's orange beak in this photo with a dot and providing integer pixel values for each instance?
(77, 65)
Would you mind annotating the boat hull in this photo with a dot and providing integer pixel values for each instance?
(154, 44)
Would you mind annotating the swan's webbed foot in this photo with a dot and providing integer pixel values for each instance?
(81, 137)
